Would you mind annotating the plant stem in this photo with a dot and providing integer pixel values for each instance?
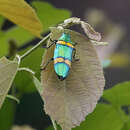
(13, 98)
(27, 70)
(54, 124)
(35, 47)
(67, 23)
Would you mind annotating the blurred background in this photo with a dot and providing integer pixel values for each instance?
(109, 17)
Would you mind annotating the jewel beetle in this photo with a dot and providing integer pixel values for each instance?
(64, 53)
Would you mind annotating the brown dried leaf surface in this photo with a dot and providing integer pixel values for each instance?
(69, 101)
(90, 32)
(8, 71)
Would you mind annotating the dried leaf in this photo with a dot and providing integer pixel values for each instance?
(8, 71)
(99, 43)
(90, 32)
(38, 85)
(19, 12)
(69, 101)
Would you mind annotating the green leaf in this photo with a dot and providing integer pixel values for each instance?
(126, 125)
(49, 15)
(15, 33)
(119, 94)
(24, 83)
(104, 117)
(21, 36)
(7, 115)
(3, 49)
(33, 61)
(18, 34)
(19, 12)
(1, 21)
(70, 101)
(8, 71)
(23, 80)
(38, 85)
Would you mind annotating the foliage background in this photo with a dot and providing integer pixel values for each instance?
(30, 110)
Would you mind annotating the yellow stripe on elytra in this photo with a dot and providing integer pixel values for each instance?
(68, 63)
(58, 60)
(65, 43)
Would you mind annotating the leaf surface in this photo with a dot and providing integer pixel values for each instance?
(119, 94)
(90, 32)
(49, 15)
(69, 101)
(104, 117)
(7, 113)
(8, 71)
(33, 61)
(126, 125)
(19, 12)
(1, 21)
(22, 36)
(38, 85)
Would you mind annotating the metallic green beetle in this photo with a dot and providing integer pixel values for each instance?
(63, 54)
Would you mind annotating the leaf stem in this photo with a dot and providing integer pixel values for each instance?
(54, 124)
(67, 23)
(13, 98)
(35, 47)
(27, 70)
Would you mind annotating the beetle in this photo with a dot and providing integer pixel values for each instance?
(64, 53)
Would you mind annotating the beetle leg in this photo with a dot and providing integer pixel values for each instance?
(76, 43)
(43, 68)
(75, 59)
(53, 42)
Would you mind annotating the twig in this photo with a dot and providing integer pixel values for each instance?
(35, 47)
